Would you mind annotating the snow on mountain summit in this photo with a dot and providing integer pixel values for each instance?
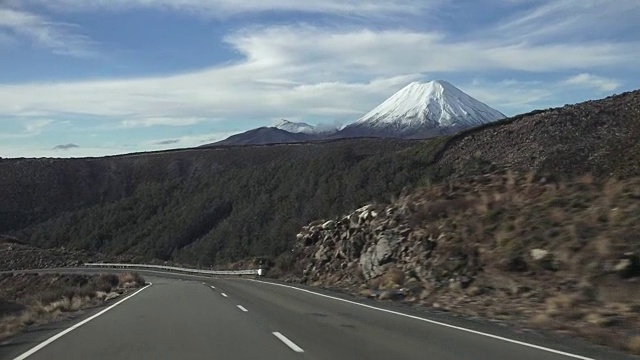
(419, 106)
(295, 127)
(304, 128)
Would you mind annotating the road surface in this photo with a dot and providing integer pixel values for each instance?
(186, 317)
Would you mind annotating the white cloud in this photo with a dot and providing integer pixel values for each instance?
(510, 96)
(187, 140)
(219, 8)
(397, 51)
(57, 36)
(35, 127)
(300, 71)
(161, 121)
(329, 74)
(577, 19)
(593, 81)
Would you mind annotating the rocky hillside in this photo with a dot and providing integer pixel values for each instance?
(17, 256)
(596, 137)
(558, 255)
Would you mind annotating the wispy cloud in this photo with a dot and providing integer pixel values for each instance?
(161, 121)
(593, 81)
(219, 8)
(37, 126)
(188, 140)
(167, 142)
(578, 20)
(61, 38)
(65, 147)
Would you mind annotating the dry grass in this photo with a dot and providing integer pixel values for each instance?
(129, 280)
(482, 229)
(541, 320)
(634, 345)
(563, 306)
(394, 277)
(47, 297)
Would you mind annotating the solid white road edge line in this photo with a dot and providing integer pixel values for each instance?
(223, 294)
(288, 342)
(242, 308)
(432, 322)
(64, 332)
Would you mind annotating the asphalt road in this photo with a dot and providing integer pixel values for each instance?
(186, 317)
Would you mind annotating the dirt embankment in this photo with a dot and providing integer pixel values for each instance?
(552, 255)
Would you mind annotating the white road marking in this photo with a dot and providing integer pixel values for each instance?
(204, 283)
(64, 332)
(242, 308)
(223, 294)
(213, 287)
(432, 322)
(288, 342)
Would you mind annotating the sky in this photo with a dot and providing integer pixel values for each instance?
(102, 77)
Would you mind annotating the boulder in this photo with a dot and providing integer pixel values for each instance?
(544, 259)
(331, 224)
(628, 266)
(382, 251)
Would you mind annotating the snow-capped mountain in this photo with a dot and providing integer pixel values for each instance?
(295, 127)
(418, 111)
(423, 108)
(304, 128)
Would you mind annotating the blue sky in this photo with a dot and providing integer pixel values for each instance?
(101, 77)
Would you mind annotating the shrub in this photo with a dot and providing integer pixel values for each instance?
(106, 282)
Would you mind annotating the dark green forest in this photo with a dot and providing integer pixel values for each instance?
(248, 202)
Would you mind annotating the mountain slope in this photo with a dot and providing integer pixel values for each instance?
(595, 137)
(266, 135)
(421, 107)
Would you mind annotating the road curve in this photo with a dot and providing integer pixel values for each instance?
(218, 318)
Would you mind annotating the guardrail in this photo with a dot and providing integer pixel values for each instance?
(258, 272)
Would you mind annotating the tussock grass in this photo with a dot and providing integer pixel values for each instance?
(46, 297)
(634, 345)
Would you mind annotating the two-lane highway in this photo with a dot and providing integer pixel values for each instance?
(247, 319)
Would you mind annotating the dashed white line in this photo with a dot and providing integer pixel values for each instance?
(223, 294)
(64, 332)
(288, 342)
(213, 287)
(242, 308)
(575, 356)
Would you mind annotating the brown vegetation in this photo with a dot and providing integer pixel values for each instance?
(561, 255)
(31, 299)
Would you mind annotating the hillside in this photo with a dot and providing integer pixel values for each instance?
(199, 206)
(266, 135)
(213, 205)
(555, 255)
(597, 137)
